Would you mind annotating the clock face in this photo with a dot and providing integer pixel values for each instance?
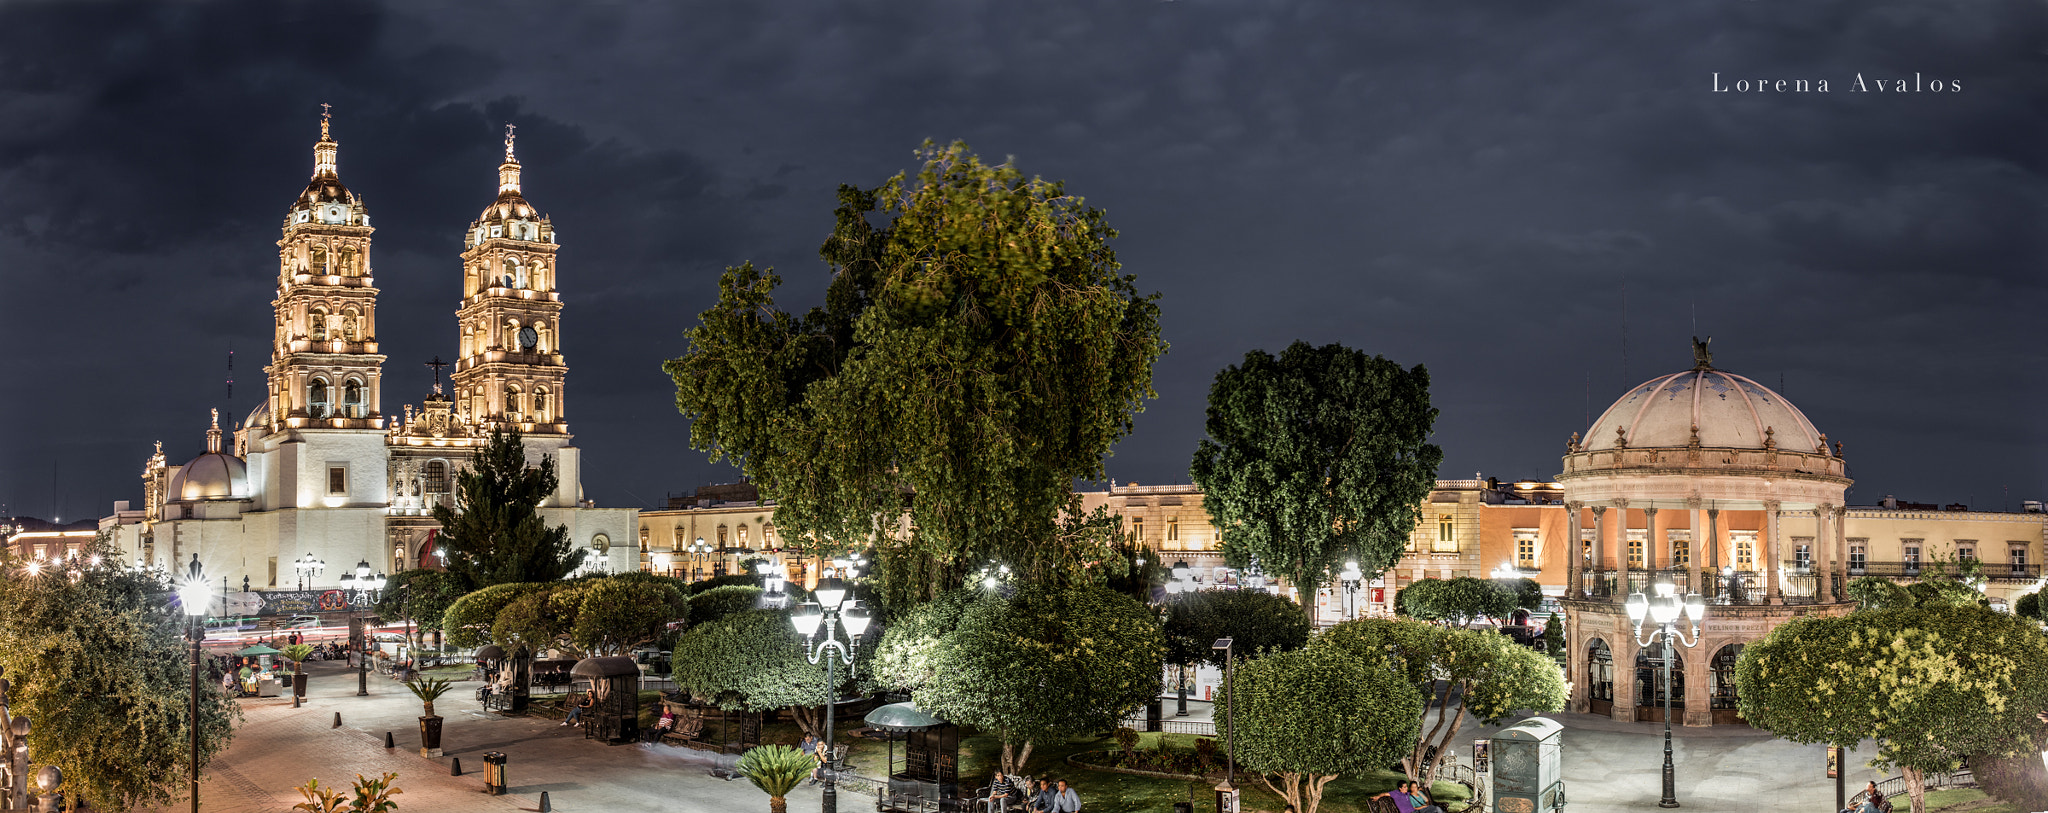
(528, 338)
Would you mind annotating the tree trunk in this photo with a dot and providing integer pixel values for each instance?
(1916, 788)
(430, 707)
(777, 804)
(1014, 759)
(1288, 789)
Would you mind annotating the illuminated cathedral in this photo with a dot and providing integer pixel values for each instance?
(320, 471)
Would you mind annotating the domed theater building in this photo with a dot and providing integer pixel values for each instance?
(1710, 482)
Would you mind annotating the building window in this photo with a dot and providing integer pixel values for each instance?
(1173, 529)
(680, 538)
(317, 398)
(743, 535)
(337, 480)
(721, 536)
(1802, 556)
(1138, 529)
(1586, 548)
(1599, 671)
(437, 477)
(1912, 557)
(2018, 557)
(512, 404)
(1681, 552)
(1635, 551)
(1525, 552)
(1966, 549)
(1723, 688)
(1859, 554)
(1650, 685)
(352, 399)
(541, 411)
(1446, 534)
(1745, 554)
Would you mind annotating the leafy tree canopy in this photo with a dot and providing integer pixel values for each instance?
(2028, 606)
(1494, 676)
(617, 613)
(1929, 684)
(1315, 455)
(754, 661)
(719, 602)
(1256, 622)
(1048, 663)
(469, 619)
(1307, 717)
(497, 536)
(907, 657)
(99, 667)
(1466, 599)
(978, 348)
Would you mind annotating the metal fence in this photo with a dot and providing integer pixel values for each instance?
(1204, 728)
(1896, 785)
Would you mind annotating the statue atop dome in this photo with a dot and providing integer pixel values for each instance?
(1703, 358)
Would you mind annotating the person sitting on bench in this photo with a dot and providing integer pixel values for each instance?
(1001, 793)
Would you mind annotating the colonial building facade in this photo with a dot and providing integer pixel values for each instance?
(320, 470)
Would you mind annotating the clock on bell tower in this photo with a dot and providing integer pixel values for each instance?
(509, 368)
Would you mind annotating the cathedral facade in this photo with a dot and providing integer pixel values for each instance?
(321, 471)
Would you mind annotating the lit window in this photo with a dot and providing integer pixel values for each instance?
(437, 477)
(1912, 558)
(1635, 551)
(1966, 549)
(1681, 552)
(1173, 529)
(1446, 531)
(1525, 552)
(1745, 555)
(1802, 556)
(2019, 557)
(1858, 556)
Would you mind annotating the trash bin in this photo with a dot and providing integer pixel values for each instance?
(494, 773)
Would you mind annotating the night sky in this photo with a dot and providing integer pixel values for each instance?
(1541, 201)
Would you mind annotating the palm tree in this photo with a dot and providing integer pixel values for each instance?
(429, 690)
(776, 770)
(297, 654)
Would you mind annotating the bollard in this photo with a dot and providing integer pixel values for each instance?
(337, 719)
(544, 806)
(455, 767)
(388, 742)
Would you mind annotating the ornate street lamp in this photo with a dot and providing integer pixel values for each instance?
(831, 609)
(661, 561)
(1351, 578)
(1665, 612)
(1254, 577)
(697, 553)
(772, 576)
(1226, 793)
(357, 583)
(308, 567)
(192, 598)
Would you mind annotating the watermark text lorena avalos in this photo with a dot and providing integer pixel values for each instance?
(1860, 84)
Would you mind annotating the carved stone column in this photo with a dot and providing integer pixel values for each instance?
(1654, 555)
(1714, 540)
(1622, 564)
(1842, 548)
(1771, 562)
(1575, 552)
(1823, 551)
(1599, 544)
(1698, 530)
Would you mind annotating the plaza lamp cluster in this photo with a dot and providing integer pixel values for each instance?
(818, 622)
(357, 583)
(1666, 612)
(307, 568)
(1188, 580)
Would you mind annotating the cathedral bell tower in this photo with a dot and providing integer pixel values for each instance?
(324, 370)
(509, 369)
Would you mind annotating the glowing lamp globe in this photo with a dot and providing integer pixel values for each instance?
(831, 591)
(192, 595)
(1638, 607)
(806, 617)
(857, 618)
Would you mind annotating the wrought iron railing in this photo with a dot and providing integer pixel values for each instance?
(1935, 781)
(1204, 728)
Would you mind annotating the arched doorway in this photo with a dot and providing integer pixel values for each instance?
(1650, 686)
(1723, 698)
(1599, 678)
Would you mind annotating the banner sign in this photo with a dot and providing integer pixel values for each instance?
(291, 602)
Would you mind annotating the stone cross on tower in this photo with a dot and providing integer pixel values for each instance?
(326, 113)
(509, 135)
(436, 366)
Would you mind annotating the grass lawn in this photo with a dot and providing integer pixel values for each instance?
(1975, 801)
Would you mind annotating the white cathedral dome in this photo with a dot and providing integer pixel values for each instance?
(211, 476)
(1724, 411)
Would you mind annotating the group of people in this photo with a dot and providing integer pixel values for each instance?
(1410, 797)
(1005, 794)
(1874, 801)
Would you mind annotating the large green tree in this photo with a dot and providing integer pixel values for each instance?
(907, 656)
(1465, 599)
(470, 619)
(495, 535)
(754, 661)
(1306, 718)
(1314, 455)
(1048, 663)
(1930, 685)
(1458, 671)
(978, 351)
(617, 613)
(1256, 622)
(95, 662)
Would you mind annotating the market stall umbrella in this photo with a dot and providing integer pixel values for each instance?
(259, 649)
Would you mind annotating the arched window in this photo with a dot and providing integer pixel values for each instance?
(319, 263)
(351, 325)
(1650, 686)
(540, 276)
(347, 266)
(316, 324)
(352, 399)
(1599, 677)
(515, 274)
(467, 345)
(317, 400)
(476, 404)
(542, 410)
(512, 402)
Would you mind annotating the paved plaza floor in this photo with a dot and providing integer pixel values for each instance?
(1610, 766)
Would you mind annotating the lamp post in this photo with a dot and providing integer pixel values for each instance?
(362, 579)
(1178, 585)
(1254, 576)
(1666, 611)
(697, 554)
(661, 562)
(772, 575)
(831, 609)
(308, 567)
(1226, 793)
(192, 598)
(1351, 577)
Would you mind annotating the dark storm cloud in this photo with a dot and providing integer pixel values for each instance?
(1477, 188)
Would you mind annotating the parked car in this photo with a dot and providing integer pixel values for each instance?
(302, 622)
